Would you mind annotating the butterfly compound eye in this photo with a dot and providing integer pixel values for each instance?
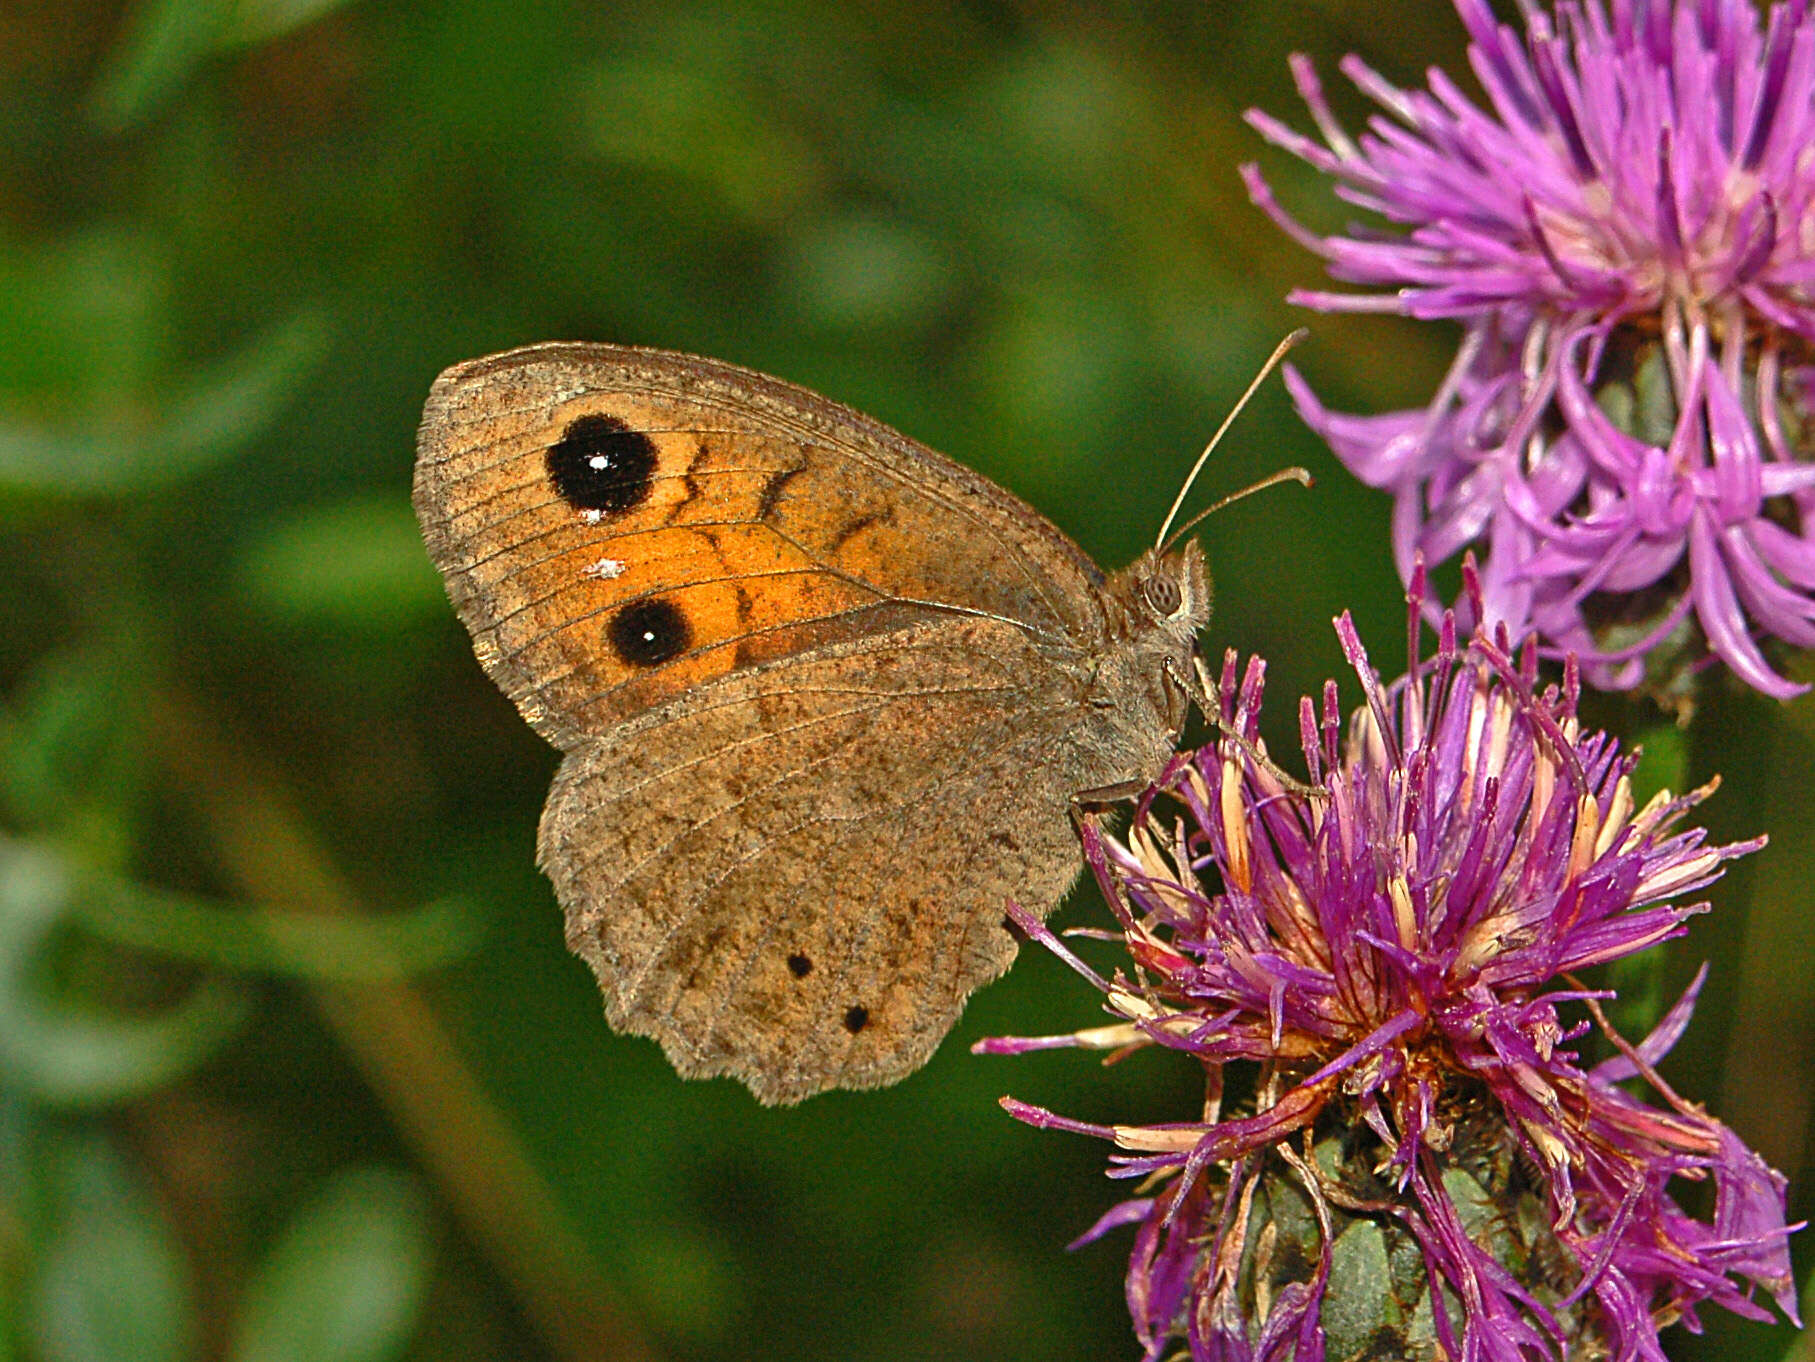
(1163, 595)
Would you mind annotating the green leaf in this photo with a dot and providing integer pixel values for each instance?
(314, 946)
(668, 118)
(214, 413)
(65, 1055)
(259, 21)
(346, 1279)
(71, 744)
(165, 40)
(1360, 1294)
(110, 1285)
(1655, 410)
(85, 323)
(225, 404)
(47, 459)
(357, 564)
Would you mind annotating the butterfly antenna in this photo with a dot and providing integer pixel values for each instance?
(1301, 476)
(1279, 352)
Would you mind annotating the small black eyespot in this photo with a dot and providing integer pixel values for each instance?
(1163, 595)
(800, 966)
(856, 1019)
(649, 632)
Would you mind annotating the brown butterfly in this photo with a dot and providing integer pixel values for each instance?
(827, 699)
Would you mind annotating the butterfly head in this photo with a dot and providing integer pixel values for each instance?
(1169, 593)
(1164, 597)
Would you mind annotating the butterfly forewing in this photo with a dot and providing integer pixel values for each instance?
(620, 525)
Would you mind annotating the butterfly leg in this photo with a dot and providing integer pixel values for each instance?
(1213, 712)
(1086, 803)
(1118, 793)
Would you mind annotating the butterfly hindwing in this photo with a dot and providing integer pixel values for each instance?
(790, 883)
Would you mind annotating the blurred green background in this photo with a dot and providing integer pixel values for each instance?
(293, 1063)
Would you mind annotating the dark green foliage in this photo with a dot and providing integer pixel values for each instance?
(293, 1062)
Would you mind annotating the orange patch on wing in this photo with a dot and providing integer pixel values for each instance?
(729, 584)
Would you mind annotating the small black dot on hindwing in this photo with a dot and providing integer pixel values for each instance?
(856, 1018)
(800, 966)
(601, 464)
(648, 633)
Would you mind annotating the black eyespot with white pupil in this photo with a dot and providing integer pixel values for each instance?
(601, 464)
(1163, 595)
(648, 633)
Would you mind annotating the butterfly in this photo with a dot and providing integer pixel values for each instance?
(827, 700)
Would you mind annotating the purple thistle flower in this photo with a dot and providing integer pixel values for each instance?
(1627, 235)
(1376, 991)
